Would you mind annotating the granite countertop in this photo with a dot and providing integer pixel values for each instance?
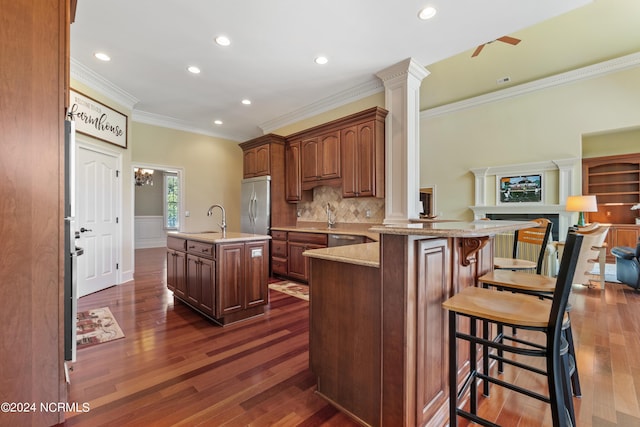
(366, 254)
(217, 237)
(351, 228)
(453, 229)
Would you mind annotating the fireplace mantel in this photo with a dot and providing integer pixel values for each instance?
(565, 173)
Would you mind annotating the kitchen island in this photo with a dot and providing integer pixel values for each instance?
(378, 333)
(223, 276)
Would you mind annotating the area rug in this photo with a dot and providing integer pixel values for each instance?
(97, 326)
(294, 289)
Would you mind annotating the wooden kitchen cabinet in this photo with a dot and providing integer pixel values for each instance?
(296, 245)
(362, 152)
(293, 172)
(177, 266)
(320, 158)
(226, 282)
(279, 253)
(243, 275)
(257, 161)
(347, 152)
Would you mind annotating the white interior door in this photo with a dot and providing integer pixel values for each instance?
(96, 220)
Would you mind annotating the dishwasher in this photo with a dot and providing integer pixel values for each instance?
(344, 239)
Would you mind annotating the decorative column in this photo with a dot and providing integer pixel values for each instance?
(402, 139)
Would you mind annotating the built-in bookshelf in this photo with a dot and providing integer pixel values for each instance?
(615, 181)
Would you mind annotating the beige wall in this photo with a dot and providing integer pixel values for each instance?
(212, 171)
(611, 143)
(539, 126)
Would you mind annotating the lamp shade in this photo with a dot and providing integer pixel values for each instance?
(582, 204)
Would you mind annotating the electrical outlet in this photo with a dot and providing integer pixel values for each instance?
(187, 213)
(367, 213)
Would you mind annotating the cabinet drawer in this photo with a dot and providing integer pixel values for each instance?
(200, 249)
(278, 235)
(279, 266)
(279, 248)
(315, 238)
(176, 244)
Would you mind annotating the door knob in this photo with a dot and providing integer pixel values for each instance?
(84, 230)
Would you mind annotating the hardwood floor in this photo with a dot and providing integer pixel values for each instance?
(174, 367)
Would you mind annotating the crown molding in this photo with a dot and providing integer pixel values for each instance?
(171, 123)
(326, 104)
(95, 81)
(589, 72)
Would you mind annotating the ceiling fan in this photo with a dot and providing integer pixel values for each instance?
(505, 39)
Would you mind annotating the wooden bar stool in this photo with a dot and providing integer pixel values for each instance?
(538, 236)
(491, 307)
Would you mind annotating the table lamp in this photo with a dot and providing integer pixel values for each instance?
(582, 204)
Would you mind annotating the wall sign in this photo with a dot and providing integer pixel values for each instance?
(97, 120)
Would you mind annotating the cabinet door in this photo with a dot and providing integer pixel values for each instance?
(329, 160)
(249, 163)
(262, 165)
(357, 145)
(310, 159)
(229, 275)
(207, 277)
(299, 264)
(171, 271)
(179, 274)
(349, 149)
(365, 156)
(194, 287)
(256, 291)
(292, 170)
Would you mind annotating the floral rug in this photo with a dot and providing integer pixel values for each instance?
(96, 326)
(294, 289)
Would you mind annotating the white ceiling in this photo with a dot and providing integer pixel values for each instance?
(274, 43)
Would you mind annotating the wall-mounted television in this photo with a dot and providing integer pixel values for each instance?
(520, 189)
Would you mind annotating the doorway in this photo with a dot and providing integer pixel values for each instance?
(97, 218)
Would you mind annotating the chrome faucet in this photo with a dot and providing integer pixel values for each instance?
(223, 226)
(331, 219)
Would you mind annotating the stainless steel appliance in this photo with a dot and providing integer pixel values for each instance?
(71, 252)
(344, 240)
(256, 205)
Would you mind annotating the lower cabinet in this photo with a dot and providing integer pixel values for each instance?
(226, 281)
(176, 273)
(297, 244)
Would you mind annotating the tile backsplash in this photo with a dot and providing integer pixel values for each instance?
(345, 210)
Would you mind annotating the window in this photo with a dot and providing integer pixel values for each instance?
(171, 201)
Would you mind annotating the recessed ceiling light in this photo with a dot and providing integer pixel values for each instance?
(102, 56)
(246, 102)
(217, 122)
(223, 40)
(193, 69)
(427, 13)
(321, 60)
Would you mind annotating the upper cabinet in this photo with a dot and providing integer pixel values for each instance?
(320, 158)
(362, 154)
(257, 161)
(347, 153)
(615, 181)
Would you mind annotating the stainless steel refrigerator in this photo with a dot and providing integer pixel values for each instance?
(256, 205)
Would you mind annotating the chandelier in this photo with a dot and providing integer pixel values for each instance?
(143, 176)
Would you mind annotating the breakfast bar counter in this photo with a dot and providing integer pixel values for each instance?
(378, 333)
